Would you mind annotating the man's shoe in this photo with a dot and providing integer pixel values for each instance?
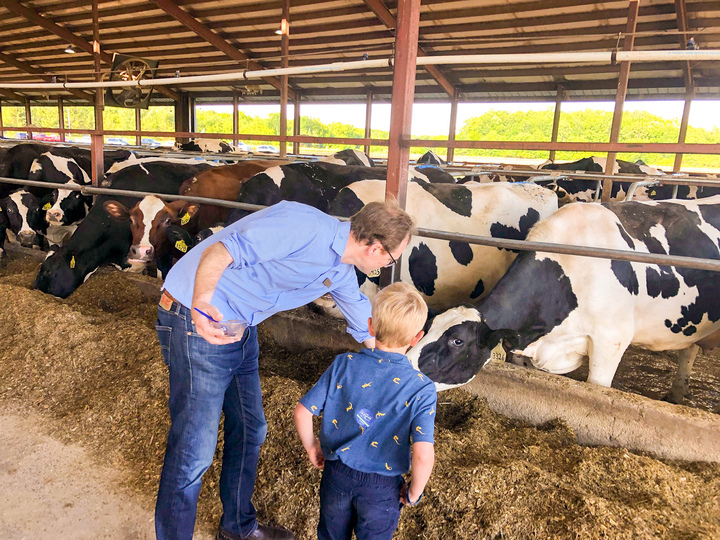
(263, 532)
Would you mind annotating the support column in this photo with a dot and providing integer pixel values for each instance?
(556, 119)
(236, 119)
(138, 127)
(97, 140)
(296, 124)
(2, 133)
(61, 117)
(406, 41)
(683, 131)
(620, 96)
(182, 116)
(368, 119)
(192, 126)
(284, 50)
(453, 127)
(28, 117)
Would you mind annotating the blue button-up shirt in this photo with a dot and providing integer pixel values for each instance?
(283, 257)
(374, 405)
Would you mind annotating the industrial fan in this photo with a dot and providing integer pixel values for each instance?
(130, 68)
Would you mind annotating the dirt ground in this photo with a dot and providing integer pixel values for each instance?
(91, 370)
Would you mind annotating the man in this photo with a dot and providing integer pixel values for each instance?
(277, 259)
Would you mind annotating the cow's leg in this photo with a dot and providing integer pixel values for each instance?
(679, 389)
(604, 357)
(3, 253)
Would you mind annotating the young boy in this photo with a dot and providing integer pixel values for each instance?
(375, 405)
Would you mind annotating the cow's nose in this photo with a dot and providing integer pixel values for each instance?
(27, 238)
(54, 215)
(143, 253)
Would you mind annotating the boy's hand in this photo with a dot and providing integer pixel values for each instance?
(316, 456)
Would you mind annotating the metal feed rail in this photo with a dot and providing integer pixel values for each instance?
(522, 245)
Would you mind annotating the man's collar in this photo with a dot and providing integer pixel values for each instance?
(385, 356)
(341, 238)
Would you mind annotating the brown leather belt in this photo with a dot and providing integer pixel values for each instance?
(166, 300)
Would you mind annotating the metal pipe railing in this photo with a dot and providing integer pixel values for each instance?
(522, 245)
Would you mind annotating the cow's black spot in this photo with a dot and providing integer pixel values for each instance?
(456, 198)
(668, 323)
(625, 274)
(689, 331)
(346, 204)
(662, 283)
(462, 252)
(76, 172)
(625, 236)
(478, 290)
(499, 230)
(423, 269)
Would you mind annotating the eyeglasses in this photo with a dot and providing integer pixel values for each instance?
(392, 259)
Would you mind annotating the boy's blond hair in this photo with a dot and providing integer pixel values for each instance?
(398, 314)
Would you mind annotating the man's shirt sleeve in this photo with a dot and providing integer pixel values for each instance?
(314, 400)
(355, 307)
(423, 423)
(268, 238)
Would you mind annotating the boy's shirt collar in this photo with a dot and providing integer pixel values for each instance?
(392, 357)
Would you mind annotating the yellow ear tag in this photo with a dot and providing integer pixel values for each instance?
(374, 273)
(72, 262)
(185, 219)
(180, 245)
(652, 193)
(47, 206)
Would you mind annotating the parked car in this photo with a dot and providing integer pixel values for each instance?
(243, 147)
(267, 149)
(52, 137)
(117, 141)
(149, 142)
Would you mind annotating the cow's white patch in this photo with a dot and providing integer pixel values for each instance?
(362, 157)
(657, 231)
(414, 173)
(90, 274)
(16, 197)
(49, 254)
(150, 206)
(36, 166)
(276, 174)
(61, 165)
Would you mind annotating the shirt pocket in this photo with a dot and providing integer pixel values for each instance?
(164, 333)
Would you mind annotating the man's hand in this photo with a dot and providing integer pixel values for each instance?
(317, 458)
(203, 327)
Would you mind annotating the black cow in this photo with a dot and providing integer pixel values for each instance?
(558, 309)
(205, 145)
(100, 239)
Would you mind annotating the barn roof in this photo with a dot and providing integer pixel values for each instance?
(239, 34)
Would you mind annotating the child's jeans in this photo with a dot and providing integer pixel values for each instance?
(369, 503)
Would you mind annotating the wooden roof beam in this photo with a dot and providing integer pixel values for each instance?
(64, 33)
(28, 68)
(218, 42)
(388, 19)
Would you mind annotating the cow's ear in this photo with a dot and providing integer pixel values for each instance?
(509, 339)
(116, 210)
(188, 210)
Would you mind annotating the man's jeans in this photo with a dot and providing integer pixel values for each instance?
(369, 503)
(204, 380)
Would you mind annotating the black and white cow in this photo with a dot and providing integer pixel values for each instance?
(349, 156)
(559, 309)
(21, 220)
(100, 239)
(449, 273)
(430, 158)
(205, 145)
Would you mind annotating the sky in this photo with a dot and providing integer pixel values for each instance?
(433, 119)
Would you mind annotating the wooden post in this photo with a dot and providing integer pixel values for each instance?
(193, 116)
(683, 130)
(97, 140)
(182, 116)
(284, 51)
(453, 127)
(61, 118)
(138, 127)
(368, 119)
(620, 96)
(406, 41)
(28, 117)
(236, 119)
(296, 124)
(556, 119)
(2, 133)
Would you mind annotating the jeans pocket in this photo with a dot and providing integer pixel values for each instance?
(164, 333)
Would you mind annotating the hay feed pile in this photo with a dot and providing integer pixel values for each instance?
(91, 364)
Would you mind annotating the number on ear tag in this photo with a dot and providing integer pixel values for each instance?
(374, 273)
(180, 245)
(185, 219)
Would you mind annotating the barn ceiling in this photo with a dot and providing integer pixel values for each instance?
(194, 37)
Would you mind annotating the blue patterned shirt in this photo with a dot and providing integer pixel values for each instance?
(374, 405)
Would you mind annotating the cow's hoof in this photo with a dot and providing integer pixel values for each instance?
(673, 398)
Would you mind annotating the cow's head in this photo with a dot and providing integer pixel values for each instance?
(22, 216)
(149, 220)
(457, 345)
(65, 206)
(59, 274)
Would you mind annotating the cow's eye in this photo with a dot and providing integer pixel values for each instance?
(457, 342)
(168, 221)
